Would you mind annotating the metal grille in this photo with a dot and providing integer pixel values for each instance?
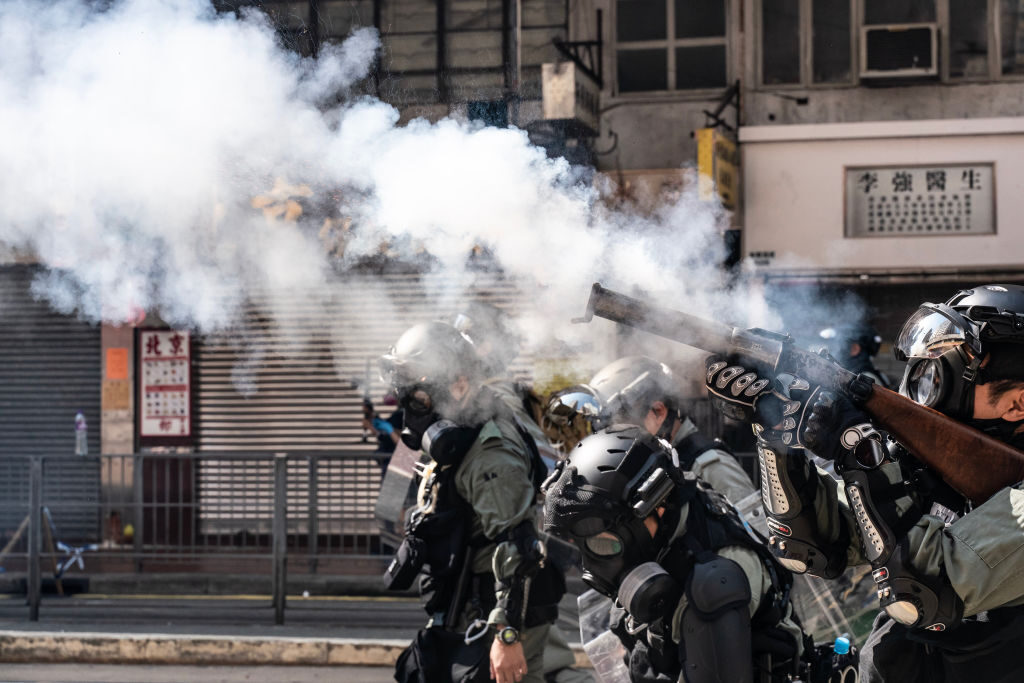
(49, 370)
(294, 379)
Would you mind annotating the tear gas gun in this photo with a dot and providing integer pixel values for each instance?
(970, 461)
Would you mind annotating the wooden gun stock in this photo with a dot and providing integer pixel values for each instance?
(972, 462)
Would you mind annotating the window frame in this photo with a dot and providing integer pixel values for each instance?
(669, 45)
(857, 23)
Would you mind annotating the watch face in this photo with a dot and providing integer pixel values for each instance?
(509, 635)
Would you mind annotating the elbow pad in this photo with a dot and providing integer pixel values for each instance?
(787, 493)
(916, 602)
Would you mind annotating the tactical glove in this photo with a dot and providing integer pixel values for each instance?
(780, 415)
(835, 426)
(732, 388)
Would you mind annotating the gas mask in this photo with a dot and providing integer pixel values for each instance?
(446, 442)
(648, 592)
(418, 414)
(608, 556)
(943, 354)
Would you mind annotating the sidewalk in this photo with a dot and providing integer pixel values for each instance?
(214, 630)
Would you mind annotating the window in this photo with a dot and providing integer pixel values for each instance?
(830, 55)
(830, 41)
(1011, 36)
(780, 26)
(670, 45)
(968, 39)
(976, 39)
(900, 11)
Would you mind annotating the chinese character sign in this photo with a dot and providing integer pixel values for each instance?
(165, 375)
(920, 200)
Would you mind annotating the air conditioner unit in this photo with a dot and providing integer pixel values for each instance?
(899, 51)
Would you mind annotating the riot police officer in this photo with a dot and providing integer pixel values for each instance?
(642, 391)
(698, 597)
(854, 346)
(476, 501)
(497, 344)
(950, 575)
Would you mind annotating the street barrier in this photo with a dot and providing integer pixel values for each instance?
(267, 514)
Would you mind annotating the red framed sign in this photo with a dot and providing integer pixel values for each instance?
(165, 384)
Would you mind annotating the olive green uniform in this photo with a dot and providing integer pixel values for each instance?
(494, 478)
(559, 659)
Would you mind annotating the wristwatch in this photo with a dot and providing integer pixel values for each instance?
(508, 635)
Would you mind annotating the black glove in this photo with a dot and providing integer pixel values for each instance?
(836, 426)
(781, 413)
(733, 388)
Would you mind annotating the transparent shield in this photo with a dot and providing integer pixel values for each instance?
(603, 647)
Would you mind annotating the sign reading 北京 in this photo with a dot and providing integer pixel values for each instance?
(906, 201)
(165, 398)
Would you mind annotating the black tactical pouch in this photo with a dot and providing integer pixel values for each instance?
(405, 565)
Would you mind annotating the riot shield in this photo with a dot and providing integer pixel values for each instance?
(827, 609)
(397, 494)
(603, 647)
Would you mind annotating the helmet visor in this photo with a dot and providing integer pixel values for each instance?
(566, 404)
(934, 329)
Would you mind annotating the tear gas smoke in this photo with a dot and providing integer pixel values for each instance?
(136, 135)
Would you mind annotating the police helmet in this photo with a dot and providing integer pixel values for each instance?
(601, 494)
(431, 354)
(492, 332)
(627, 388)
(945, 344)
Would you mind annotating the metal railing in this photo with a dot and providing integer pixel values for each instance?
(197, 512)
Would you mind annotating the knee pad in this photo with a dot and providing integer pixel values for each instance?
(716, 624)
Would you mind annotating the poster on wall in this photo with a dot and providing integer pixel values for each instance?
(165, 394)
(913, 200)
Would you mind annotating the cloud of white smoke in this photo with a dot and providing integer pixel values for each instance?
(134, 137)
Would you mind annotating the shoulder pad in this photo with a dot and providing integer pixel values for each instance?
(717, 586)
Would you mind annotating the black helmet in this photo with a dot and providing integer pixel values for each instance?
(945, 344)
(601, 494)
(492, 332)
(627, 388)
(420, 368)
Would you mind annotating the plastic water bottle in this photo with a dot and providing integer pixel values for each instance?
(843, 668)
(81, 435)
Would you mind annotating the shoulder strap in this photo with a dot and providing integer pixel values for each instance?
(538, 470)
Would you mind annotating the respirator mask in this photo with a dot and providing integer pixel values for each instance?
(609, 555)
(446, 442)
(943, 353)
(418, 414)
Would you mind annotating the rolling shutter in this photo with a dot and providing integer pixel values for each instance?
(293, 380)
(49, 371)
